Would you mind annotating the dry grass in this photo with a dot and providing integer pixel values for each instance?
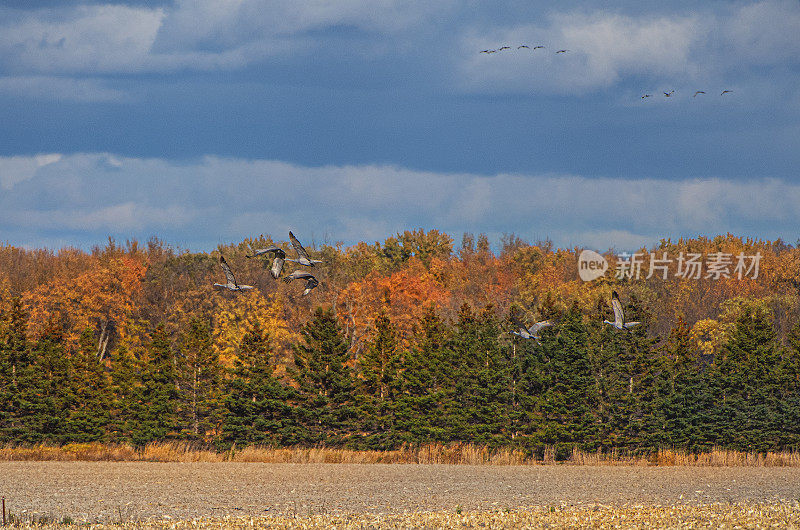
(464, 454)
(595, 516)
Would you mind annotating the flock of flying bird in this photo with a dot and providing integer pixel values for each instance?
(525, 332)
(532, 332)
(669, 94)
(540, 47)
(501, 48)
(277, 267)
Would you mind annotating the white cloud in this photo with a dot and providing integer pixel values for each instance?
(197, 35)
(764, 33)
(105, 38)
(15, 169)
(209, 200)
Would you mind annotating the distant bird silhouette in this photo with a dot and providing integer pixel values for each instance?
(523, 46)
(698, 92)
(619, 316)
(538, 47)
(311, 281)
(486, 51)
(529, 332)
(501, 48)
(231, 285)
(302, 256)
(669, 94)
(562, 51)
(647, 96)
(277, 262)
(726, 92)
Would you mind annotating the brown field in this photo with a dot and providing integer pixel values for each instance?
(231, 494)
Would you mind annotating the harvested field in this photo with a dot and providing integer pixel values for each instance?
(114, 492)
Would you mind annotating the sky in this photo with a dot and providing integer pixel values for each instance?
(206, 122)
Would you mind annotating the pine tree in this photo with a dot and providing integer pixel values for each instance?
(154, 415)
(749, 384)
(480, 409)
(623, 367)
(53, 396)
(680, 415)
(126, 391)
(24, 411)
(324, 379)
(380, 384)
(569, 402)
(89, 412)
(789, 385)
(425, 382)
(257, 404)
(199, 382)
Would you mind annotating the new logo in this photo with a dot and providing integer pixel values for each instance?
(591, 265)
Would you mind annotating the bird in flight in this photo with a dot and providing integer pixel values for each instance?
(726, 92)
(523, 46)
(277, 262)
(487, 51)
(302, 256)
(538, 47)
(562, 51)
(529, 332)
(311, 281)
(698, 92)
(231, 285)
(619, 316)
(669, 94)
(503, 48)
(647, 96)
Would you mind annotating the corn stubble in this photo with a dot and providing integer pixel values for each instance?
(592, 516)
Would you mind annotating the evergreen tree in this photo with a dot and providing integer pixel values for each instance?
(257, 404)
(569, 402)
(53, 395)
(681, 414)
(126, 395)
(480, 409)
(380, 384)
(22, 407)
(199, 383)
(324, 379)
(425, 382)
(89, 411)
(531, 377)
(789, 388)
(154, 414)
(623, 368)
(749, 385)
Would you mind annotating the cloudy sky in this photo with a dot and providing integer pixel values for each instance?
(203, 122)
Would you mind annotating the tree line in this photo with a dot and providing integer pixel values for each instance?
(460, 379)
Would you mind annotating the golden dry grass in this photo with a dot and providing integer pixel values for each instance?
(458, 454)
(596, 516)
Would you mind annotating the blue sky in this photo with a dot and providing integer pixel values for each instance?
(206, 122)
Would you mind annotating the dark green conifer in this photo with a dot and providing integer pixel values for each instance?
(324, 379)
(257, 404)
